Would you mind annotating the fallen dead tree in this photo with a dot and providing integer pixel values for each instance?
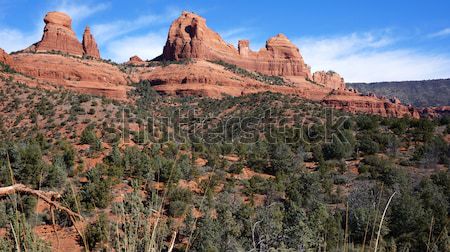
(48, 197)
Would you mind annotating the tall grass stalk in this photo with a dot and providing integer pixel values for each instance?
(381, 221)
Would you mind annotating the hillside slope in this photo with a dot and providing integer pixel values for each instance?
(200, 166)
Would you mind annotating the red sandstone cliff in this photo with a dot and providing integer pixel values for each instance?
(189, 37)
(89, 45)
(83, 75)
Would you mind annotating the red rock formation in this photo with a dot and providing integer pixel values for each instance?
(329, 79)
(89, 45)
(202, 78)
(5, 58)
(189, 37)
(135, 60)
(357, 103)
(58, 36)
(244, 47)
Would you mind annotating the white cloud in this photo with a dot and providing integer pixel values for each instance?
(115, 29)
(372, 57)
(119, 43)
(232, 36)
(108, 31)
(233, 32)
(442, 33)
(147, 46)
(15, 40)
(79, 11)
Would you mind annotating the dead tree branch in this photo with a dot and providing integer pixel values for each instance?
(48, 197)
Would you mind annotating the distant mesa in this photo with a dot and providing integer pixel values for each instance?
(59, 36)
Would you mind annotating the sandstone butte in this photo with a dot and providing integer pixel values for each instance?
(188, 38)
(59, 37)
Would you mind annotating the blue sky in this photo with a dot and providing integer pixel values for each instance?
(361, 39)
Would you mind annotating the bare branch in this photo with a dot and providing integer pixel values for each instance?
(48, 197)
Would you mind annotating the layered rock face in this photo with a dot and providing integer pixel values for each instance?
(83, 75)
(203, 78)
(189, 37)
(329, 79)
(59, 36)
(89, 45)
(357, 103)
(5, 58)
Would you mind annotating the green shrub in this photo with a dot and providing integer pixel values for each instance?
(97, 191)
(97, 233)
(88, 135)
(136, 163)
(179, 201)
(367, 122)
(337, 149)
(367, 145)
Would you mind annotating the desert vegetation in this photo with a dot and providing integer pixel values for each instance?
(271, 80)
(261, 172)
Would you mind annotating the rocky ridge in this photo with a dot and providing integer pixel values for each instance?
(202, 75)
